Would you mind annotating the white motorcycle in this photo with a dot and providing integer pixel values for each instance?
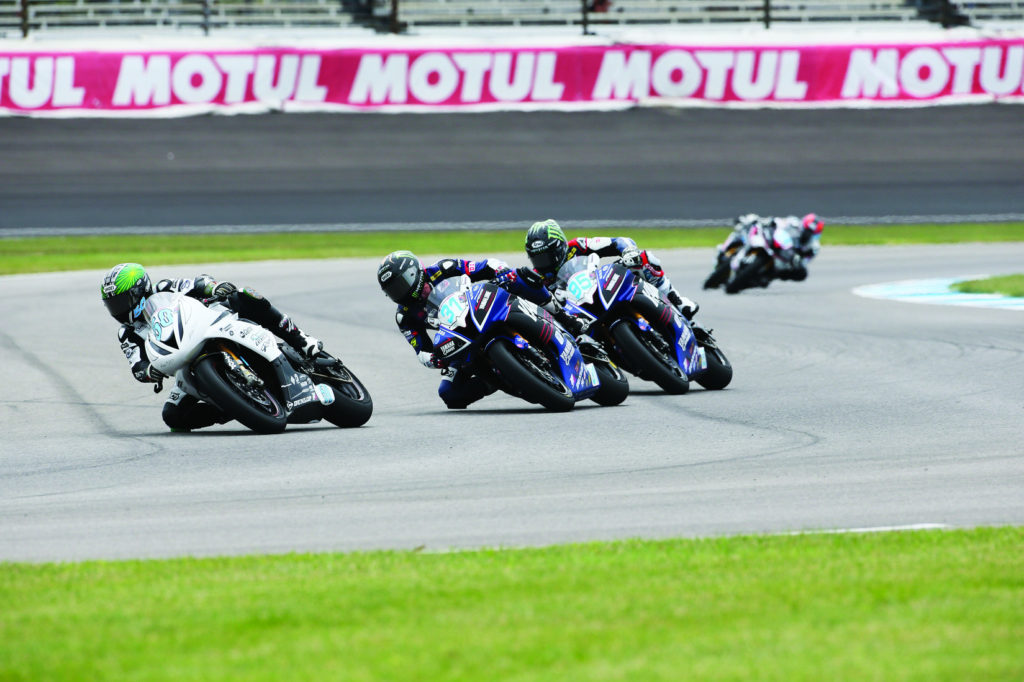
(245, 370)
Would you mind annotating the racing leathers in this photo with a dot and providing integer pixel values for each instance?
(458, 389)
(182, 412)
(642, 261)
(805, 246)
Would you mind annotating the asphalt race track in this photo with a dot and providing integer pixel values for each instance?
(644, 164)
(844, 412)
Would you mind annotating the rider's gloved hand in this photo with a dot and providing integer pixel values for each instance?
(429, 360)
(505, 277)
(224, 289)
(146, 373)
(632, 258)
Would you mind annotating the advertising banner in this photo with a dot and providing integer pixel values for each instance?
(574, 77)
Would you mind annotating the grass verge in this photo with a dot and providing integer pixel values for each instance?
(47, 254)
(1007, 285)
(923, 605)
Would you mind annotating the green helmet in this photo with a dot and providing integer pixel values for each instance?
(546, 247)
(125, 290)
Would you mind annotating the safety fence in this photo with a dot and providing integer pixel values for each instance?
(27, 16)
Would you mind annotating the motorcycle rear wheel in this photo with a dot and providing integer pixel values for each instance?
(614, 385)
(352, 405)
(748, 274)
(649, 361)
(256, 408)
(533, 383)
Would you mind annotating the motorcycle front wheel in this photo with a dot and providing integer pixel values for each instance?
(748, 274)
(255, 407)
(614, 385)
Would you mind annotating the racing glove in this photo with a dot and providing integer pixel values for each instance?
(147, 373)
(632, 259)
(505, 277)
(429, 360)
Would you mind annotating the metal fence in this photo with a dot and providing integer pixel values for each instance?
(27, 16)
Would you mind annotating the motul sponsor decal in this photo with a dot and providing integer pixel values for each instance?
(507, 78)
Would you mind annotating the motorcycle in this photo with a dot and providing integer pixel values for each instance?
(643, 333)
(766, 252)
(247, 372)
(726, 252)
(484, 329)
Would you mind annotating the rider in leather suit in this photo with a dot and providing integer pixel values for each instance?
(125, 289)
(405, 281)
(548, 248)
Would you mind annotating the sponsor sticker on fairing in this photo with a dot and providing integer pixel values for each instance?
(325, 393)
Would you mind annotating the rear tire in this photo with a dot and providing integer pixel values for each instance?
(259, 410)
(614, 385)
(352, 404)
(663, 371)
(748, 274)
(520, 372)
(718, 373)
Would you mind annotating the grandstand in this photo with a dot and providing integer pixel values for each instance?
(21, 17)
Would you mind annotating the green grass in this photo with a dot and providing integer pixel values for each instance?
(923, 605)
(47, 254)
(1008, 285)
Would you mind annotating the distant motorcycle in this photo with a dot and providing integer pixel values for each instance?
(642, 332)
(484, 329)
(245, 370)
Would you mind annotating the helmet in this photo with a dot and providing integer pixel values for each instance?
(125, 290)
(812, 223)
(401, 277)
(746, 220)
(546, 247)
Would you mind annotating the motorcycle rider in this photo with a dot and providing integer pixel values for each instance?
(125, 290)
(405, 281)
(805, 234)
(548, 249)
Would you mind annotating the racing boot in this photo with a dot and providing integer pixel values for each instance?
(309, 346)
(571, 323)
(687, 307)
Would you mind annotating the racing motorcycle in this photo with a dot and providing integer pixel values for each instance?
(245, 370)
(484, 329)
(765, 252)
(642, 332)
(726, 252)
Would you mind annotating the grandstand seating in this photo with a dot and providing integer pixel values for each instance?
(45, 15)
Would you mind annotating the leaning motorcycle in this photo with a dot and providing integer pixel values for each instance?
(755, 265)
(642, 332)
(245, 370)
(484, 329)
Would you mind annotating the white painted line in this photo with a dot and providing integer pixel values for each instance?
(871, 529)
(938, 292)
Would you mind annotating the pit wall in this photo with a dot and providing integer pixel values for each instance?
(176, 78)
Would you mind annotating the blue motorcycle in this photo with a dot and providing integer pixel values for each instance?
(642, 332)
(484, 329)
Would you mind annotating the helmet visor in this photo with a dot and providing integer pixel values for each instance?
(120, 306)
(545, 262)
(399, 287)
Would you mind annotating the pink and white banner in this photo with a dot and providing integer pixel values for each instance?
(181, 82)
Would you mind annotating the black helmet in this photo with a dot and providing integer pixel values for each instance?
(401, 277)
(546, 247)
(124, 290)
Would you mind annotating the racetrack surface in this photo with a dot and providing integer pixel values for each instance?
(844, 412)
(638, 165)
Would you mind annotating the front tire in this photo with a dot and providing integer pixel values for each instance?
(533, 382)
(651, 362)
(256, 408)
